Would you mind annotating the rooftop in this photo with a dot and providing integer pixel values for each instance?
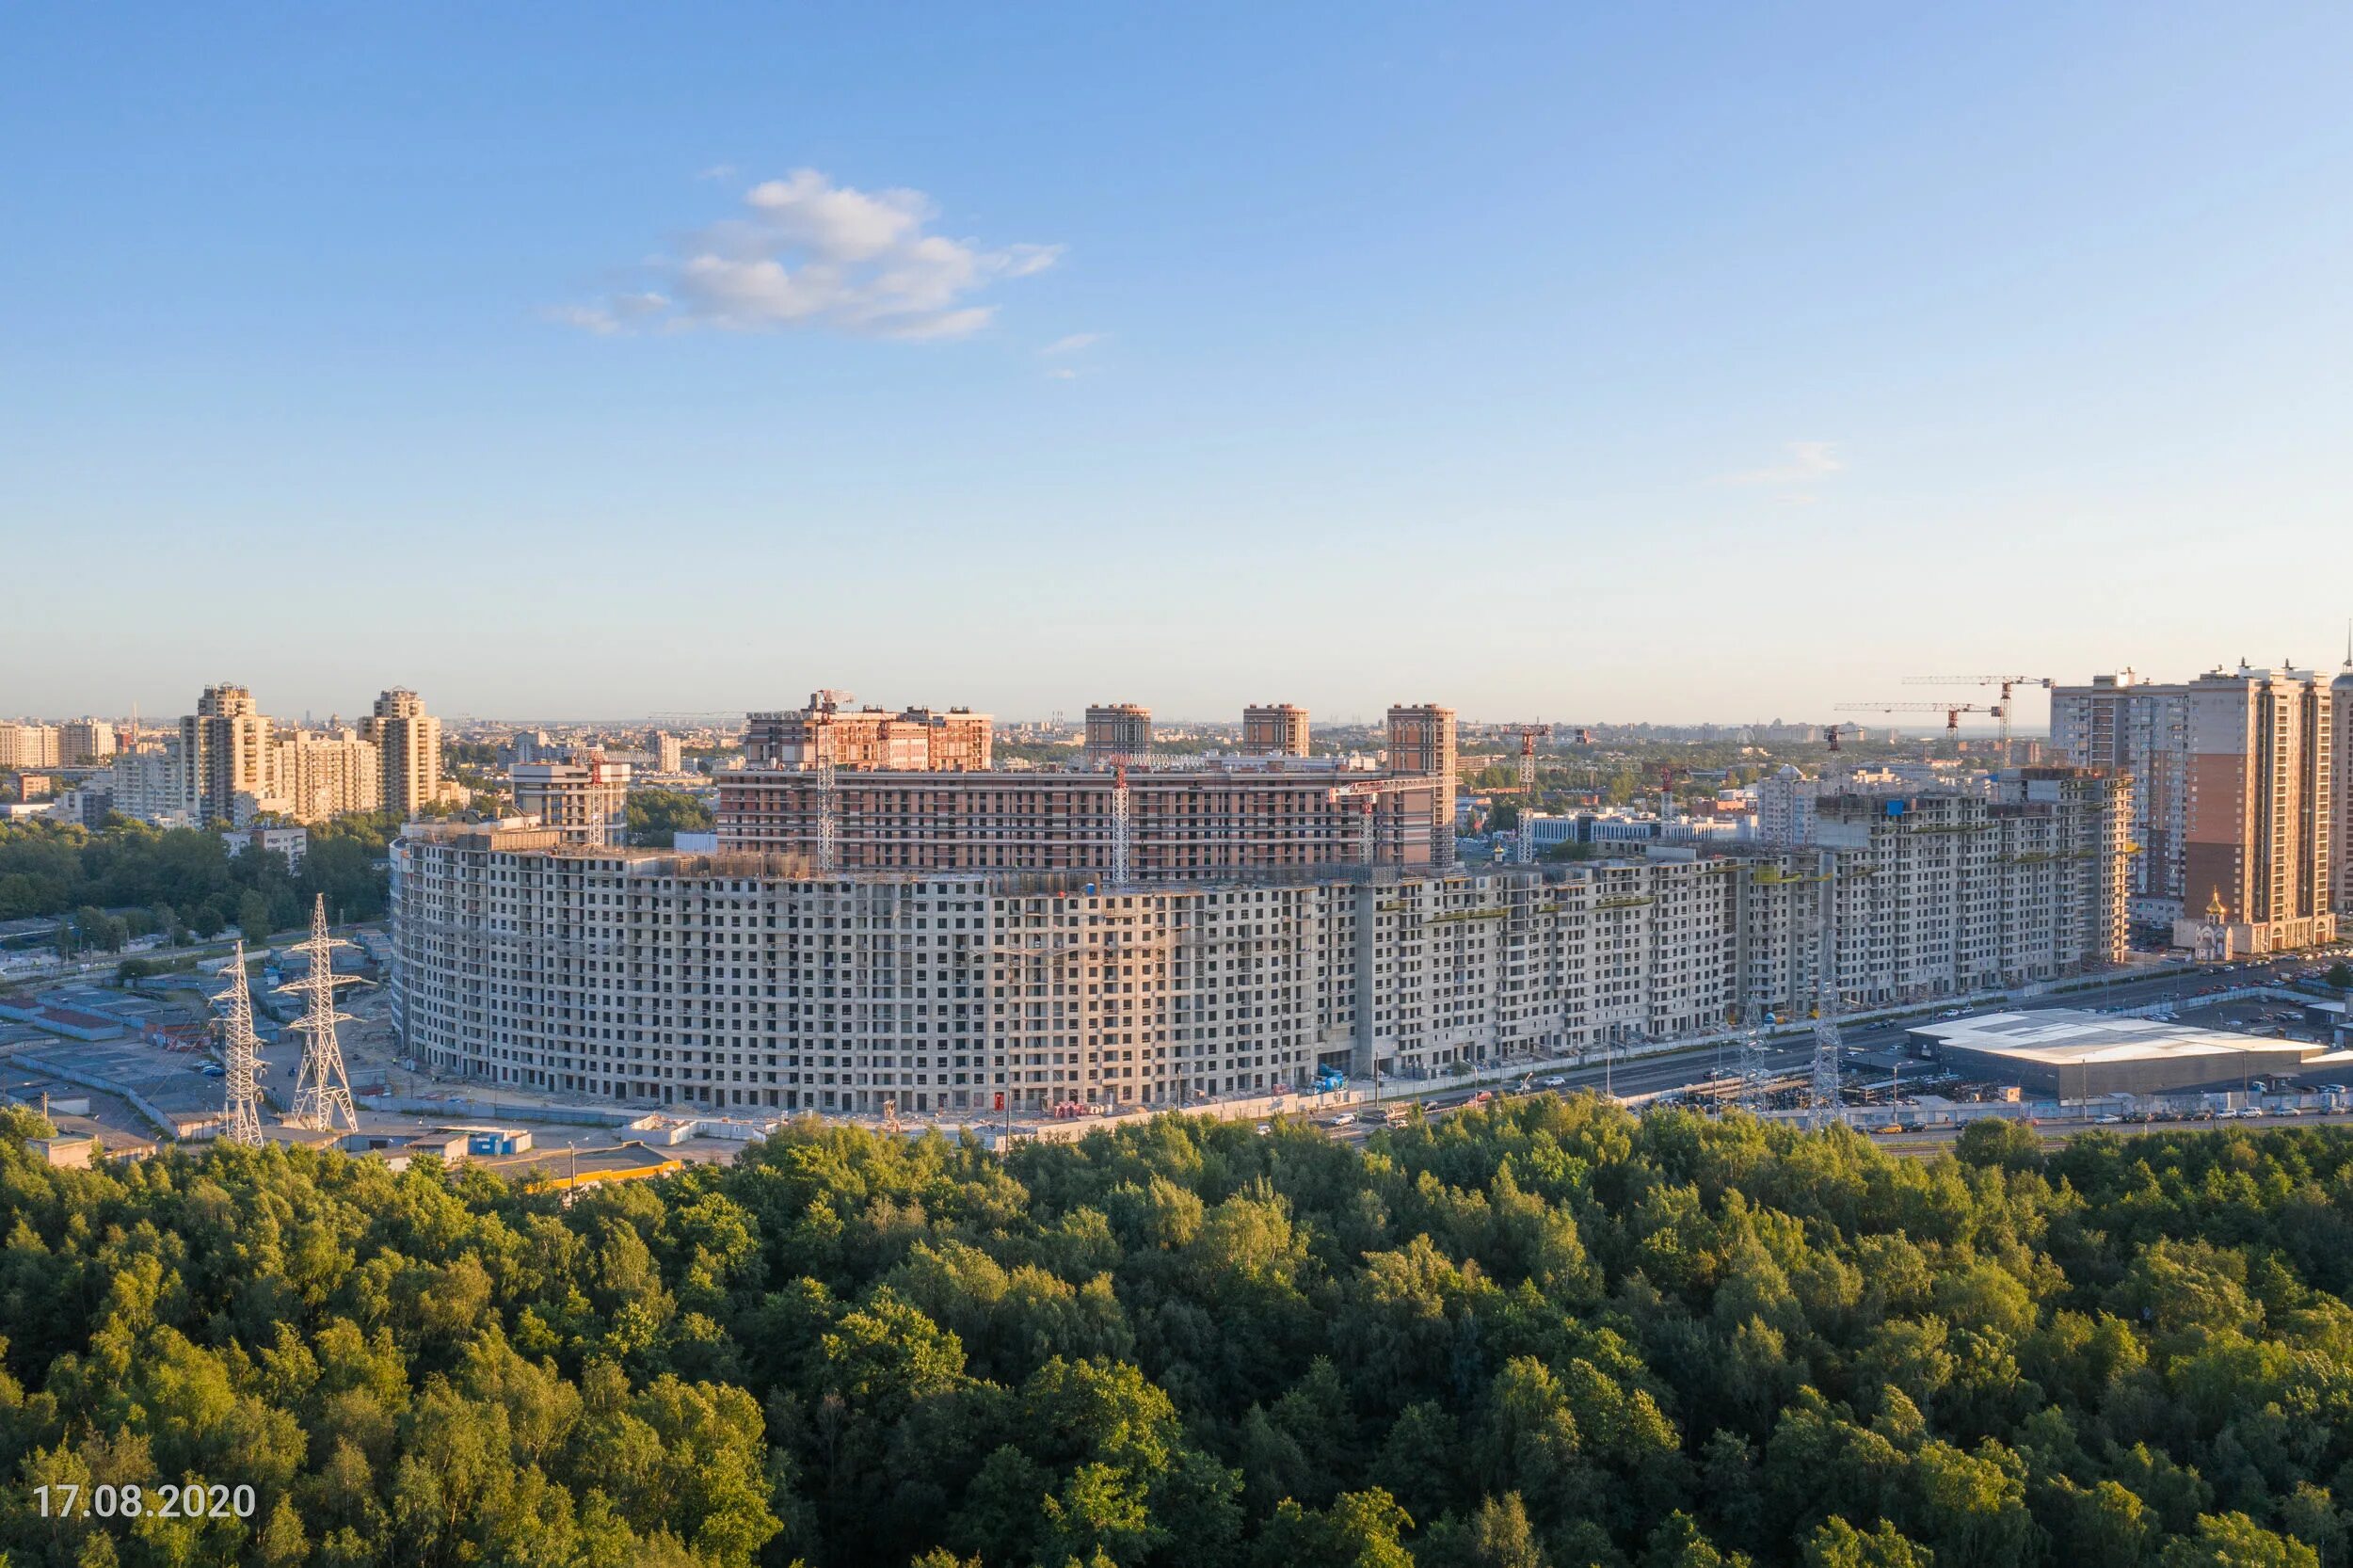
(2068, 1036)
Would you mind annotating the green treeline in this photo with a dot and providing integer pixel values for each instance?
(656, 815)
(1544, 1334)
(187, 877)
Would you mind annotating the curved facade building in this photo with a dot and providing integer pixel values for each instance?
(748, 980)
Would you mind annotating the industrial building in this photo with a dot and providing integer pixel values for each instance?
(2067, 1053)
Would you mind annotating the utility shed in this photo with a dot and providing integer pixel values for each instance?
(2067, 1053)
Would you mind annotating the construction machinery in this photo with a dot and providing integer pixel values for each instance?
(1367, 794)
(1525, 851)
(2008, 683)
(1831, 732)
(1952, 711)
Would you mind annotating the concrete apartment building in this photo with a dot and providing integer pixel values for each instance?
(149, 786)
(1185, 818)
(29, 745)
(1200, 818)
(2235, 776)
(408, 741)
(225, 751)
(1423, 744)
(318, 776)
(918, 740)
(1119, 732)
(85, 743)
(744, 980)
(584, 803)
(2341, 790)
(1275, 729)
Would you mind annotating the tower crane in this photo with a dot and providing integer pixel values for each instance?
(1525, 851)
(1952, 711)
(2008, 683)
(1367, 794)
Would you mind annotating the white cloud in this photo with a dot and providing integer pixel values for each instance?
(1805, 462)
(1073, 344)
(806, 252)
(717, 171)
(1062, 373)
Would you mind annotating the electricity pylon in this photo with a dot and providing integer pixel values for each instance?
(243, 1049)
(322, 1091)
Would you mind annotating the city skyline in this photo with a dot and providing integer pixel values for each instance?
(1621, 366)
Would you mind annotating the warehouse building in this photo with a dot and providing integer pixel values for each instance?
(2065, 1052)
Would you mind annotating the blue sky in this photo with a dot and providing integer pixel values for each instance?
(1581, 363)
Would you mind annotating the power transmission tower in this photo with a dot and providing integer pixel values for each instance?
(243, 1049)
(322, 1090)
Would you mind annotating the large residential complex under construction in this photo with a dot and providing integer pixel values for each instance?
(1122, 814)
(919, 740)
(754, 978)
(2238, 783)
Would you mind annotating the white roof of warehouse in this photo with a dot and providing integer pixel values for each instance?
(2069, 1035)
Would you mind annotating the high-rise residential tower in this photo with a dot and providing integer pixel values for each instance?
(2234, 778)
(1278, 729)
(408, 741)
(1119, 732)
(85, 743)
(1421, 742)
(225, 752)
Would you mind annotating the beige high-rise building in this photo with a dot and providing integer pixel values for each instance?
(1119, 732)
(225, 751)
(2234, 779)
(1277, 730)
(85, 743)
(28, 745)
(319, 778)
(584, 802)
(408, 746)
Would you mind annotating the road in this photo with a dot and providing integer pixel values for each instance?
(1657, 1072)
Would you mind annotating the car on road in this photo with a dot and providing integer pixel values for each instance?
(1346, 1118)
(1557, 1081)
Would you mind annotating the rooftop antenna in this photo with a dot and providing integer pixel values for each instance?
(243, 1048)
(322, 1091)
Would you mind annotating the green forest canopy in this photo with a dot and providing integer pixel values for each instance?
(54, 869)
(1548, 1333)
